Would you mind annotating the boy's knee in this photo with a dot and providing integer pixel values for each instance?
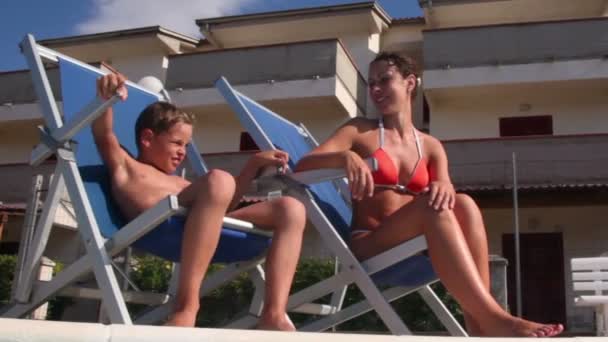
(220, 184)
(290, 209)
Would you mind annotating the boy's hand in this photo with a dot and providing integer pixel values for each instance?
(111, 84)
(270, 158)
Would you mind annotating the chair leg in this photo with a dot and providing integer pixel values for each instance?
(94, 242)
(441, 311)
(359, 275)
(601, 320)
(258, 277)
(248, 321)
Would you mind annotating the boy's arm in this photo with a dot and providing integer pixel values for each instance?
(107, 143)
(251, 169)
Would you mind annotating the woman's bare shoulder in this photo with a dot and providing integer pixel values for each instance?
(361, 124)
(430, 142)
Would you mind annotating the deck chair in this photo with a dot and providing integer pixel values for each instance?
(589, 282)
(404, 269)
(104, 232)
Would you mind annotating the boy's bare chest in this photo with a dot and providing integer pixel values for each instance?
(143, 187)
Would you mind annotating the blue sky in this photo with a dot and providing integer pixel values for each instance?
(61, 18)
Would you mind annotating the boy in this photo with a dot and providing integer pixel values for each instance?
(162, 133)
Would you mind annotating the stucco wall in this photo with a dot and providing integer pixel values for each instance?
(584, 234)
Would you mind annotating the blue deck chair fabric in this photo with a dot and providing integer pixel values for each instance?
(78, 89)
(284, 135)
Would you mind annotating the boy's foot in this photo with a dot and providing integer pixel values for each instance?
(282, 324)
(182, 319)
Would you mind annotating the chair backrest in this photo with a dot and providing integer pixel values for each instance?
(78, 87)
(590, 275)
(271, 131)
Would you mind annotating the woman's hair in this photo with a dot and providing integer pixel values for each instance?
(160, 117)
(406, 66)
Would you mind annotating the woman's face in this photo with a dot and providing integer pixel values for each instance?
(388, 89)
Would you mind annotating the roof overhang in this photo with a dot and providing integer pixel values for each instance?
(313, 23)
(133, 41)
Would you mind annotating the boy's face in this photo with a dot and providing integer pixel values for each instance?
(166, 150)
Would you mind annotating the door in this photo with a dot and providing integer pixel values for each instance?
(542, 276)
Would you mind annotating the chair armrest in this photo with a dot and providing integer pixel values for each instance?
(590, 300)
(322, 175)
(401, 252)
(50, 141)
(264, 185)
(236, 224)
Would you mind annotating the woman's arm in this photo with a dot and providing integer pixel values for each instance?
(337, 153)
(441, 190)
(332, 152)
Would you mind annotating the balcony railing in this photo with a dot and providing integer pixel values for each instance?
(16, 87)
(541, 161)
(516, 43)
(263, 64)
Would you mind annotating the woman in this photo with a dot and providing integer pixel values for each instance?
(412, 185)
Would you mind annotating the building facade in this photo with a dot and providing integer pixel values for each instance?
(503, 80)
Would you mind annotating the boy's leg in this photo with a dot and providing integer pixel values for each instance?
(286, 217)
(208, 199)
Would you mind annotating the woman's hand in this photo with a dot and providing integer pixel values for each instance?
(275, 158)
(441, 195)
(111, 84)
(359, 176)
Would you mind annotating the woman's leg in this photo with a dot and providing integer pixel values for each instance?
(469, 217)
(453, 262)
(286, 217)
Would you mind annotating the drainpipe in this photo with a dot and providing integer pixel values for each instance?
(3, 220)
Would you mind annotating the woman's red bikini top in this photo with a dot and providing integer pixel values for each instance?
(387, 174)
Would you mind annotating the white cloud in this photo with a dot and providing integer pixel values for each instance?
(176, 15)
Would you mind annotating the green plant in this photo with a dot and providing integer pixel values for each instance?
(7, 270)
(221, 305)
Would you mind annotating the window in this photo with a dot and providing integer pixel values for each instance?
(526, 125)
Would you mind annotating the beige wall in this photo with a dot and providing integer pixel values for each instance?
(512, 11)
(219, 131)
(17, 140)
(362, 47)
(584, 234)
(476, 114)
(136, 67)
(402, 37)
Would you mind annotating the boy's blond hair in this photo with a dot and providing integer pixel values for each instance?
(159, 117)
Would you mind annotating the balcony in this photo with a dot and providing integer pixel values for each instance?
(459, 13)
(541, 161)
(503, 55)
(317, 76)
(17, 96)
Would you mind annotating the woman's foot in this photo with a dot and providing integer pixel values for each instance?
(517, 327)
